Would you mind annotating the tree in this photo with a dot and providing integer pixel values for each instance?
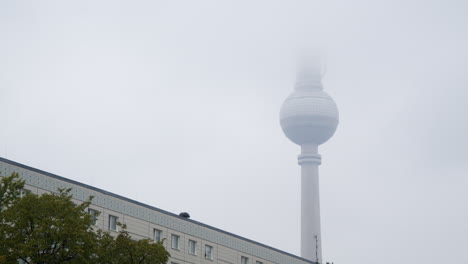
(52, 229)
(124, 250)
(10, 189)
(49, 228)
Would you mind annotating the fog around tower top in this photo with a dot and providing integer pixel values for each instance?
(176, 104)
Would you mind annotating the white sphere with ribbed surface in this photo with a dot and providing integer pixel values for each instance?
(309, 115)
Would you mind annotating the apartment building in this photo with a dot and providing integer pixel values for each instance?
(187, 241)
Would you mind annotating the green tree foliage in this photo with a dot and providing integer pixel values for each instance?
(10, 188)
(49, 228)
(52, 229)
(124, 250)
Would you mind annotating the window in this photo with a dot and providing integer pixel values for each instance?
(208, 252)
(157, 235)
(244, 260)
(258, 262)
(93, 213)
(175, 241)
(24, 192)
(113, 222)
(192, 247)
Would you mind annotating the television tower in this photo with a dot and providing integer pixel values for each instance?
(309, 117)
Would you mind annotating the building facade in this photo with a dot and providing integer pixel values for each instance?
(187, 241)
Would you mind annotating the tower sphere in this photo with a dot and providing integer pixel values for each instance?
(309, 115)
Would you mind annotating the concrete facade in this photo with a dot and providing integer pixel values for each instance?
(142, 220)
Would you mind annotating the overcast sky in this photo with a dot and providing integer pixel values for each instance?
(176, 104)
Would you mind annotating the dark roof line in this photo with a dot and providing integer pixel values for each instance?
(147, 206)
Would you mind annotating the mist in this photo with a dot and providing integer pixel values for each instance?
(176, 104)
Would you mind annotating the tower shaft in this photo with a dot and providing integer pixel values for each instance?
(311, 246)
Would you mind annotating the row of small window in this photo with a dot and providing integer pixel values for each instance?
(157, 235)
(245, 260)
(175, 244)
(175, 239)
(192, 246)
(112, 224)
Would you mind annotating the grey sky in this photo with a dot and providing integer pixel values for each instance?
(175, 104)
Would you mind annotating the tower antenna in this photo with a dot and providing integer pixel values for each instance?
(316, 248)
(324, 67)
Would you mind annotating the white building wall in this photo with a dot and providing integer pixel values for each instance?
(142, 219)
